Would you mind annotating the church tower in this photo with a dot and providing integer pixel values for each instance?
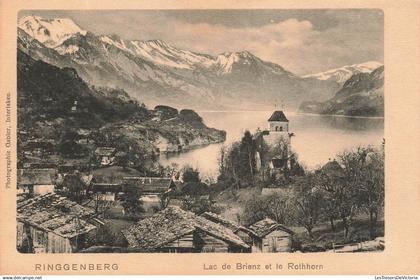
(278, 129)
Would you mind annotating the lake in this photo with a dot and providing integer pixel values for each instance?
(317, 138)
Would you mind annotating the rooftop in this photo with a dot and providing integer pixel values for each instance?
(278, 116)
(172, 223)
(57, 214)
(42, 176)
(266, 226)
(220, 220)
(331, 166)
(149, 184)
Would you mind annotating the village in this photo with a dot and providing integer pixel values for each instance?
(107, 205)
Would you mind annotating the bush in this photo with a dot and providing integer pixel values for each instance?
(190, 174)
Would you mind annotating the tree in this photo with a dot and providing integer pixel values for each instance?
(255, 210)
(280, 148)
(308, 204)
(195, 188)
(71, 149)
(247, 154)
(328, 180)
(190, 174)
(166, 112)
(131, 203)
(276, 206)
(237, 165)
(348, 193)
(74, 186)
(199, 204)
(370, 184)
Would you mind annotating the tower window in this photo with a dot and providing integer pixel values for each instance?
(281, 128)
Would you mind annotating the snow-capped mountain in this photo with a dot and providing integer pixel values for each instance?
(156, 72)
(361, 95)
(50, 32)
(342, 74)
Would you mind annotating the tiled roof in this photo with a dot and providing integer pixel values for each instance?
(57, 214)
(266, 226)
(45, 176)
(173, 223)
(148, 184)
(220, 220)
(278, 116)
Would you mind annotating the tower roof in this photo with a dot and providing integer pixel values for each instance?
(278, 116)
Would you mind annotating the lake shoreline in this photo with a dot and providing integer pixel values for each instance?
(318, 137)
(291, 112)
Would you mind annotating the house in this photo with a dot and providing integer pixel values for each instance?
(240, 231)
(106, 187)
(105, 155)
(220, 220)
(67, 168)
(74, 108)
(148, 185)
(106, 190)
(270, 237)
(153, 190)
(53, 224)
(39, 147)
(178, 231)
(36, 181)
(107, 182)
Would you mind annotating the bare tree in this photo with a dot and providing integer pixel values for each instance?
(308, 204)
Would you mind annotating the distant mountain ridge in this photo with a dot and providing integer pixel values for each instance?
(361, 95)
(156, 72)
(342, 74)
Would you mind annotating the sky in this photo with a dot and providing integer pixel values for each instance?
(302, 41)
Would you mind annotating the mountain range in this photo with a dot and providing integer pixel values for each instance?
(361, 95)
(342, 74)
(54, 103)
(155, 72)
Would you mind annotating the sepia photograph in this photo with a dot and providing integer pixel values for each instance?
(200, 131)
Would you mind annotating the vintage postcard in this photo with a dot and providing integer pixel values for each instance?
(226, 138)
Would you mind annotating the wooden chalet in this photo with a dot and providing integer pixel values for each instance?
(239, 230)
(109, 184)
(36, 181)
(53, 224)
(175, 230)
(268, 236)
(148, 185)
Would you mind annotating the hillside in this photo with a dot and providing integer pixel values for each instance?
(361, 95)
(53, 102)
(158, 73)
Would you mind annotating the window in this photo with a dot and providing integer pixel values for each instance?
(281, 128)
